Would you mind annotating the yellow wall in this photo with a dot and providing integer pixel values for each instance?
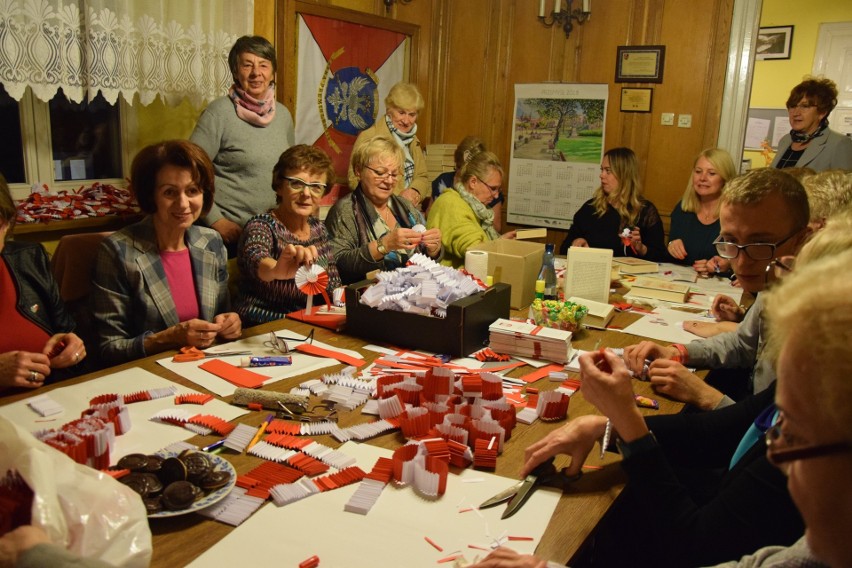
(773, 79)
(159, 121)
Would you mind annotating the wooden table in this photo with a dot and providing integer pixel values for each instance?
(179, 540)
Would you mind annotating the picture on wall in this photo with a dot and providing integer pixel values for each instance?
(774, 42)
(557, 146)
(346, 65)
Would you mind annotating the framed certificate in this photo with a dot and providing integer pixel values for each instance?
(640, 63)
(636, 100)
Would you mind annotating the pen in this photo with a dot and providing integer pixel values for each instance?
(213, 446)
(260, 432)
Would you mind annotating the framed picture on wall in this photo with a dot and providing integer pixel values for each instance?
(774, 42)
(337, 66)
(640, 63)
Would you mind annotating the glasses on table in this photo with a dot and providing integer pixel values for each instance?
(298, 185)
(755, 251)
(279, 344)
(783, 448)
(383, 174)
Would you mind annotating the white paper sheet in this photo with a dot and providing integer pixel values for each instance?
(664, 325)
(302, 363)
(144, 436)
(393, 532)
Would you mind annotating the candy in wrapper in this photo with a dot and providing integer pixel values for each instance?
(645, 402)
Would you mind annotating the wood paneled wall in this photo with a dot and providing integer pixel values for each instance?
(473, 52)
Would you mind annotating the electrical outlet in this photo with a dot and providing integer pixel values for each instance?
(684, 121)
(667, 119)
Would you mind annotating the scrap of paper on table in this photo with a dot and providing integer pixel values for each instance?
(144, 435)
(393, 532)
(663, 325)
(301, 364)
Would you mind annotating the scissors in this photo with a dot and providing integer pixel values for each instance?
(279, 344)
(544, 474)
(187, 354)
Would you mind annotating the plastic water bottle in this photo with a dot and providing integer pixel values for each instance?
(548, 273)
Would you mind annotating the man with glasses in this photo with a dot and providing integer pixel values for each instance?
(710, 487)
(764, 217)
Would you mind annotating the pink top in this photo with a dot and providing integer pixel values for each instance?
(178, 271)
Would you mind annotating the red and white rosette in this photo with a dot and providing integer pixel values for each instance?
(312, 280)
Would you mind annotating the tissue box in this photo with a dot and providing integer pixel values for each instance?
(463, 331)
(516, 263)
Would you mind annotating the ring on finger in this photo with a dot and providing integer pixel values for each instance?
(33, 378)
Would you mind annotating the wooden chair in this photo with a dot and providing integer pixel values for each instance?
(72, 265)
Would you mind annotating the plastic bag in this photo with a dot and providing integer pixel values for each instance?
(84, 510)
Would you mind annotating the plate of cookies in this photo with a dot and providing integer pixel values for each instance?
(172, 483)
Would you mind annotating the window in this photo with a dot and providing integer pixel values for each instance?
(61, 143)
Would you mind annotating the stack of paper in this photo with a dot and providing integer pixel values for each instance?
(645, 287)
(530, 340)
(439, 159)
(599, 314)
(631, 265)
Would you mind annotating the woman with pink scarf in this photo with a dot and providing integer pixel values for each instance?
(244, 133)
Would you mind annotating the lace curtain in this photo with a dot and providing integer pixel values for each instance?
(174, 49)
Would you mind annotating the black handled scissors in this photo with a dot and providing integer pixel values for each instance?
(544, 474)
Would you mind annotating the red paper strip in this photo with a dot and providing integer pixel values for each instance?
(542, 372)
(312, 349)
(234, 375)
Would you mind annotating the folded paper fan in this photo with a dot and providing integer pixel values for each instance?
(312, 280)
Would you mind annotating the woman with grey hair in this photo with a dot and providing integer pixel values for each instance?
(403, 104)
(244, 133)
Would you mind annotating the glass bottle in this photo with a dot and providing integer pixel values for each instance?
(548, 273)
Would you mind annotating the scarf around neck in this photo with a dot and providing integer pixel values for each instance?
(258, 112)
(802, 138)
(483, 214)
(404, 139)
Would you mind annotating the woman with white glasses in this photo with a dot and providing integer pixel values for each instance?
(371, 228)
(275, 244)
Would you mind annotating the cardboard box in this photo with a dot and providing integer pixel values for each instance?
(516, 263)
(463, 331)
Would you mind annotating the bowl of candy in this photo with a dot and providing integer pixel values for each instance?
(558, 314)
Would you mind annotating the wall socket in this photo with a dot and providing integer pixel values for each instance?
(667, 119)
(684, 121)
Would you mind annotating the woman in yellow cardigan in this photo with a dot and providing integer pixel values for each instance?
(461, 213)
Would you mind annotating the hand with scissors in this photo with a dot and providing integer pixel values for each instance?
(606, 384)
(507, 558)
(544, 474)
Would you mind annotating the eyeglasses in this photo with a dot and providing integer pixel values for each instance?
(801, 106)
(755, 251)
(279, 344)
(387, 174)
(490, 187)
(783, 265)
(298, 185)
(782, 448)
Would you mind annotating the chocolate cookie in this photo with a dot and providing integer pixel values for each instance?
(137, 482)
(215, 480)
(171, 470)
(133, 462)
(179, 495)
(153, 504)
(155, 462)
(197, 465)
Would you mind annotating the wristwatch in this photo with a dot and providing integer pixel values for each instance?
(380, 246)
(639, 445)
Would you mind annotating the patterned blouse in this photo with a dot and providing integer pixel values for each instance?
(265, 237)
